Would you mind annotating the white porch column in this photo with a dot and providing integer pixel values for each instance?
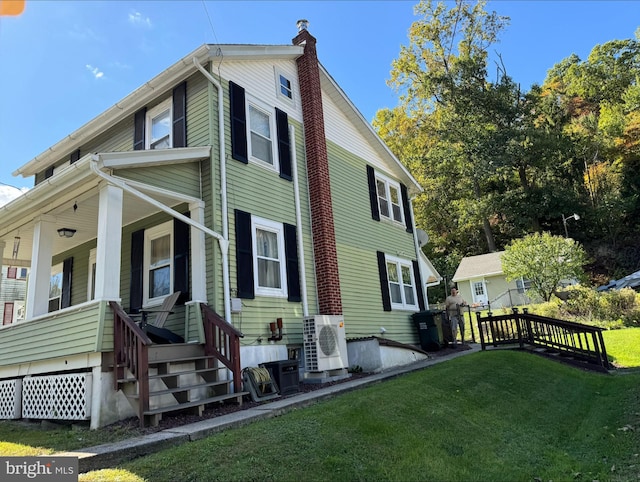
(108, 251)
(40, 277)
(198, 256)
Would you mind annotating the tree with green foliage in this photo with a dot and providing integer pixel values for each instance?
(544, 260)
(447, 112)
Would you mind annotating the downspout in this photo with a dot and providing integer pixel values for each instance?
(223, 190)
(296, 193)
(224, 244)
(418, 249)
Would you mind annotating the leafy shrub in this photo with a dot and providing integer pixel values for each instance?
(609, 309)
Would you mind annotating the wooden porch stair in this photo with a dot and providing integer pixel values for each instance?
(181, 378)
(158, 379)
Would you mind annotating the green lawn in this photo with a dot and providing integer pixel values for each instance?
(496, 415)
(623, 346)
(493, 416)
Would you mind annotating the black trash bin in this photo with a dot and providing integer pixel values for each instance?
(429, 326)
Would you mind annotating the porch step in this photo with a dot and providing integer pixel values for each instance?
(186, 359)
(181, 389)
(160, 376)
(154, 416)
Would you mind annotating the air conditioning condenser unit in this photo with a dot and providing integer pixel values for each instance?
(325, 343)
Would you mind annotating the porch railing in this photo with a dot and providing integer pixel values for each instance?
(583, 342)
(130, 352)
(222, 341)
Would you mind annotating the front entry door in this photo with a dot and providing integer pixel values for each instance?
(479, 291)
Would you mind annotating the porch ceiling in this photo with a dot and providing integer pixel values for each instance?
(72, 202)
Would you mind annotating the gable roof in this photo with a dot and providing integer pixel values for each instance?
(184, 68)
(478, 266)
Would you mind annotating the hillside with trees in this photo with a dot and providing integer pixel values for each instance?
(498, 163)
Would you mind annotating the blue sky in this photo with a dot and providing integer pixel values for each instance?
(64, 62)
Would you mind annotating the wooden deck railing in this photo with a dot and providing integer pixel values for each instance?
(580, 341)
(130, 352)
(222, 341)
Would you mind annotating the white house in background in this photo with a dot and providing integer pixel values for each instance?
(13, 289)
(481, 282)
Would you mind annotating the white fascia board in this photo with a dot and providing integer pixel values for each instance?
(476, 276)
(366, 129)
(122, 109)
(256, 52)
(148, 158)
(30, 204)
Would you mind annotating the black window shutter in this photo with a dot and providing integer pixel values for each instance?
(373, 193)
(418, 278)
(67, 270)
(181, 232)
(293, 266)
(180, 115)
(74, 156)
(137, 260)
(48, 173)
(238, 123)
(407, 208)
(384, 281)
(284, 144)
(244, 255)
(138, 129)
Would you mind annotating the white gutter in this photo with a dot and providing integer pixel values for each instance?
(223, 189)
(224, 244)
(296, 193)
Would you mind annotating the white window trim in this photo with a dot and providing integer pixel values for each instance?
(278, 228)
(149, 235)
(18, 311)
(270, 112)
(90, 280)
(154, 112)
(279, 72)
(387, 183)
(399, 262)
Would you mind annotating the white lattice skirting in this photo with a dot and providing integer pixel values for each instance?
(10, 399)
(57, 397)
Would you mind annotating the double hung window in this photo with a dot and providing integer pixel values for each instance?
(402, 286)
(389, 199)
(261, 139)
(269, 257)
(158, 263)
(158, 126)
(55, 288)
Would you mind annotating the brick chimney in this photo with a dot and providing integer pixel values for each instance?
(324, 239)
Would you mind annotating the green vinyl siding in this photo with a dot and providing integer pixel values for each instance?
(66, 333)
(358, 238)
(179, 178)
(198, 111)
(119, 137)
(263, 193)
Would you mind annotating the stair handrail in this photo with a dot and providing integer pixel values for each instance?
(131, 351)
(584, 341)
(222, 341)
